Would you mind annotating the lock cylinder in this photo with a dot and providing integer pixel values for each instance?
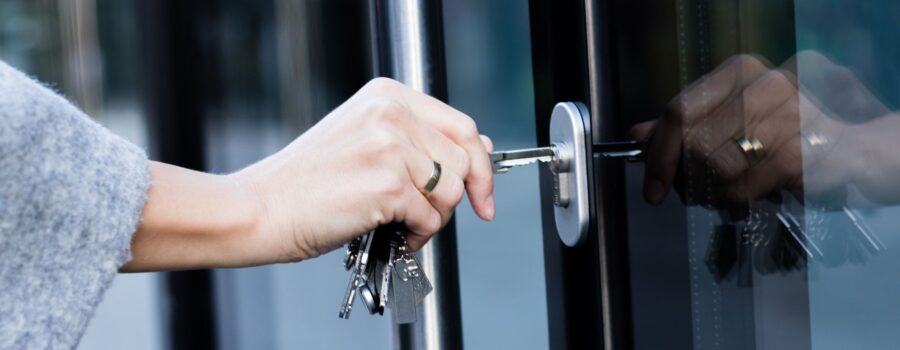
(571, 168)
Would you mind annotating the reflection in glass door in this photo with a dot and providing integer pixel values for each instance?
(762, 218)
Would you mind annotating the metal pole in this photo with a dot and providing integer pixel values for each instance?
(407, 37)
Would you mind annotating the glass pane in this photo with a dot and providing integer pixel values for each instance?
(775, 129)
(280, 67)
(501, 263)
(848, 74)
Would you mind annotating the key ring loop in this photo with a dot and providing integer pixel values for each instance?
(433, 181)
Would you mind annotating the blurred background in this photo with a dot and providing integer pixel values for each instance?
(216, 85)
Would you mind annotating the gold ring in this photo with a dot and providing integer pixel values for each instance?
(752, 147)
(435, 177)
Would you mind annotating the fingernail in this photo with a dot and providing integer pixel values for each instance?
(489, 208)
(654, 191)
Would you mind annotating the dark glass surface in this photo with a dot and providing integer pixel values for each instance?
(776, 125)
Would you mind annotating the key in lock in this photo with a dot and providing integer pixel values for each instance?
(570, 159)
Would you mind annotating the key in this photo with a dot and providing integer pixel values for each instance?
(404, 285)
(502, 161)
(349, 296)
(384, 274)
(403, 299)
(358, 268)
(409, 287)
(352, 253)
(396, 239)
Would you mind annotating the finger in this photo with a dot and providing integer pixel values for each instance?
(488, 144)
(781, 170)
(415, 172)
(724, 84)
(772, 120)
(695, 105)
(420, 217)
(642, 131)
(767, 94)
(710, 125)
(438, 147)
(462, 130)
(448, 190)
(663, 154)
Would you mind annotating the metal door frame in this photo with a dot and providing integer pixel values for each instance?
(571, 58)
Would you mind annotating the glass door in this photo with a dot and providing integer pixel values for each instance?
(762, 216)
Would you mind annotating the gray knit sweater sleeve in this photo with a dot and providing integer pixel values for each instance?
(71, 195)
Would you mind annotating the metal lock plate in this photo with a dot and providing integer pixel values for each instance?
(569, 128)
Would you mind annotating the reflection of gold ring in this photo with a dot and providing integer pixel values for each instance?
(435, 177)
(752, 147)
(814, 140)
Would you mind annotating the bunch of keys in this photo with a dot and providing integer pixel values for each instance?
(384, 274)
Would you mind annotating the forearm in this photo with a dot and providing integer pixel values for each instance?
(197, 220)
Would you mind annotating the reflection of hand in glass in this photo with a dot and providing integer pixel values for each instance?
(758, 133)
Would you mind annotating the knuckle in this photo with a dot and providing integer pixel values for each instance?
(386, 110)
(463, 162)
(784, 76)
(393, 185)
(433, 225)
(383, 143)
(749, 62)
(455, 192)
(381, 84)
(467, 128)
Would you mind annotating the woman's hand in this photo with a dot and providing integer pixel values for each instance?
(363, 165)
(818, 131)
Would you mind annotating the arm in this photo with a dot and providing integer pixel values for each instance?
(360, 167)
(196, 220)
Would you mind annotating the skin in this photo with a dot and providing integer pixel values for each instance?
(362, 166)
(745, 97)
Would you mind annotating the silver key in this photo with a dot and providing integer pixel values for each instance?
(352, 253)
(408, 266)
(358, 278)
(502, 161)
(403, 299)
(386, 280)
(409, 287)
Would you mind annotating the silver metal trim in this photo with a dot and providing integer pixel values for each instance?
(408, 47)
(591, 14)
